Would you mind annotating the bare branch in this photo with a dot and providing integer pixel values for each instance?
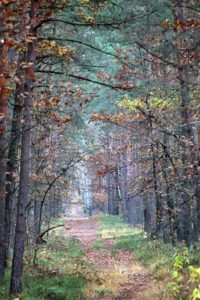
(117, 87)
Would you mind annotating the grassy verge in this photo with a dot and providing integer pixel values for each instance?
(177, 268)
(60, 272)
(153, 254)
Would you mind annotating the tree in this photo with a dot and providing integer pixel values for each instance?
(24, 189)
(4, 92)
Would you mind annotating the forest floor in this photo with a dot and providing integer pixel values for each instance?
(120, 275)
(102, 258)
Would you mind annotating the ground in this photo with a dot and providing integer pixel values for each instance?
(121, 276)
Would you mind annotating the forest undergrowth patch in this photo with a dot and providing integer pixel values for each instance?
(176, 267)
(60, 273)
(118, 261)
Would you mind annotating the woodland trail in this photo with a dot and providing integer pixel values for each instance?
(121, 272)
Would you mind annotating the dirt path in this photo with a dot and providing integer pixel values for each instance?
(124, 277)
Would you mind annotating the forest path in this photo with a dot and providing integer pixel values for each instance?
(123, 276)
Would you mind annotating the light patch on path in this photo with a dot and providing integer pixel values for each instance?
(123, 277)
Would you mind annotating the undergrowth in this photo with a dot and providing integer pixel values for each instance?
(160, 258)
(98, 245)
(60, 272)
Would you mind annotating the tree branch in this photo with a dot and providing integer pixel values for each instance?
(47, 230)
(117, 87)
(92, 47)
(113, 23)
(157, 56)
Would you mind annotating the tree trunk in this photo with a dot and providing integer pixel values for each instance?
(189, 185)
(112, 197)
(17, 266)
(155, 187)
(121, 180)
(4, 91)
(187, 134)
(154, 171)
(170, 218)
(148, 218)
(12, 165)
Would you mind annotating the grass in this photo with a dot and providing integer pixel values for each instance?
(98, 245)
(43, 287)
(60, 272)
(4, 286)
(153, 254)
(59, 287)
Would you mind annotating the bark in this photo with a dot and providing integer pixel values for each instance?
(191, 179)
(187, 134)
(170, 217)
(12, 164)
(148, 218)
(24, 189)
(4, 91)
(16, 285)
(2, 203)
(113, 208)
(154, 171)
(121, 198)
(121, 180)
(155, 187)
(197, 207)
(113, 203)
(109, 191)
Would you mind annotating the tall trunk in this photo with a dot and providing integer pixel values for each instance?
(197, 206)
(17, 266)
(2, 190)
(148, 218)
(113, 207)
(121, 197)
(187, 133)
(154, 171)
(197, 185)
(112, 195)
(155, 187)
(4, 91)
(121, 180)
(170, 218)
(12, 165)
(188, 144)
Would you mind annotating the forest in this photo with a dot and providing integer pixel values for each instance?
(99, 149)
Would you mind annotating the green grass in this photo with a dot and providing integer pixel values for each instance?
(153, 254)
(108, 222)
(37, 287)
(114, 227)
(60, 272)
(98, 245)
(59, 288)
(4, 286)
(69, 247)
